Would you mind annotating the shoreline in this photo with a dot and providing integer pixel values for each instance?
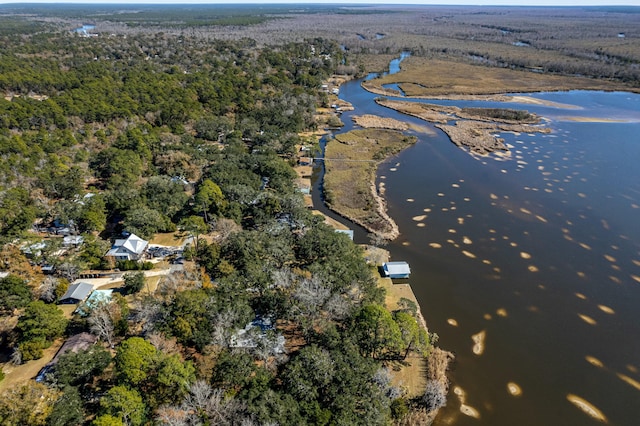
(351, 164)
(473, 128)
(438, 363)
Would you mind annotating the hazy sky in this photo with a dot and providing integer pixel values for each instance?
(464, 2)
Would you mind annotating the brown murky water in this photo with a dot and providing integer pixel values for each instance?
(528, 265)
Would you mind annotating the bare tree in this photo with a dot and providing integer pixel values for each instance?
(377, 239)
(222, 326)
(435, 395)
(225, 228)
(148, 313)
(101, 323)
(48, 289)
(203, 404)
(163, 344)
(312, 293)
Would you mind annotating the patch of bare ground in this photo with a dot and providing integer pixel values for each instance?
(168, 239)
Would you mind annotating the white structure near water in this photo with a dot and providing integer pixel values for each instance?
(396, 269)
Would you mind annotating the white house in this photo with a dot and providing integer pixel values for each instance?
(131, 248)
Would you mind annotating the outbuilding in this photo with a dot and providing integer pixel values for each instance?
(76, 293)
(396, 269)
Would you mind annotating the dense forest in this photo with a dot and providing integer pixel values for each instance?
(156, 133)
(186, 122)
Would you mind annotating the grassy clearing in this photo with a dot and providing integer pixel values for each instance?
(351, 160)
(16, 375)
(411, 373)
(375, 63)
(423, 77)
(168, 239)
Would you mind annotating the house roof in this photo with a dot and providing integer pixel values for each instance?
(97, 297)
(131, 245)
(78, 291)
(396, 268)
(73, 240)
(75, 343)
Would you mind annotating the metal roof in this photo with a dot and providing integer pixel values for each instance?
(78, 291)
(396, 268)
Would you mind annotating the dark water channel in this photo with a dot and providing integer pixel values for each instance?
(537, 254)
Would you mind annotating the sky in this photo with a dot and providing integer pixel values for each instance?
(425, 2)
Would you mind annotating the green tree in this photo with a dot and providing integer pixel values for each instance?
(195, 226)
(376, 333)
(77, 368)
(414, 337)
(92, 253)
(67, 410)
(133, 282)
(164, 195)
(172, 381)
(14, 293)
(135, 359)
(125, 404)
(39, 325)
(145, 222)
(209, 198)
(17, 211)
(107, 420)
(118, 167)
(93, 214)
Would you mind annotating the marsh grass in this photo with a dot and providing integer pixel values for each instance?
(424, 77)
(351, 160)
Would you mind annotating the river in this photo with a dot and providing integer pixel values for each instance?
(539, 253)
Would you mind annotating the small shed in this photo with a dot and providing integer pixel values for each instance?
(396, 269)
(76, 293)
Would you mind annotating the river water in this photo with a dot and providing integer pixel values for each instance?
(538, 252)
